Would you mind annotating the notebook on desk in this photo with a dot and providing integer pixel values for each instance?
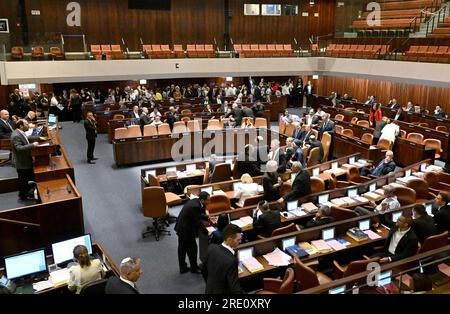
(59, 277)
(252, 265)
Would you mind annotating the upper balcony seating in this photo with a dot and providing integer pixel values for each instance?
(264, 50)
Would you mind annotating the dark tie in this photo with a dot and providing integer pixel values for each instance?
(325, 125)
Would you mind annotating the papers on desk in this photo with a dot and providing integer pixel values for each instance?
(287, 215)
(372, 196)
(433, 168)
(372, 235)
(297, 212)
(308, 248)
(59, 277)
(192, 196)
(42, 285)
(336, 171)
(343, 241)
(219, 192)
(252, 265)
(405, 180)
(379, 191)
(338, 202)
(321, 246)
(335, 245)
(445, 269)
(181, 174)
(277, 258)
(309, 207)
(360, 199)
(243, 221)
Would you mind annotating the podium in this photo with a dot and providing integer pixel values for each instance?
(41, 154)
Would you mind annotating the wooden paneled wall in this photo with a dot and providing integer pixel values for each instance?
(282, 29)
(427, 96)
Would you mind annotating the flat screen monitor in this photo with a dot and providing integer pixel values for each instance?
(285, 243)
(429, 209)
(385, 278)
(63, 251)
(244, 254)
(292, 205)
(52, 119)
(396, 216)
(337, 290)
(25, 264)
(191, 168)
(150, 172)
(423, 167)
(334, 165)
(364, 224)
(327, 234)
(237, 186)
(207, 189)
(322, 199)
(351, 160)
(229, 161)
(372, 187)
(352, 192)
(171, 169)
(37, 131)
(316, 171)
(407, 173)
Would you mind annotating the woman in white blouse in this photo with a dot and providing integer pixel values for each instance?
(246, 189)
(85, 271)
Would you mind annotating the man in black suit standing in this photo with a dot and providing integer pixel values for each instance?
(309, 92)
(236, 113)
(220, 270)
(266, 219)
(189, 223)
(441, 212)
(6, 127)
(91, 134)
(327, 124)
(130, 271)
(301, 185)
(423, 224)
(401, 242)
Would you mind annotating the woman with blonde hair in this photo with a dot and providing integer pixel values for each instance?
(246, 189)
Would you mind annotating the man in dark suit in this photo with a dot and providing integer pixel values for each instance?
(327, 124)
(298, 132)
(306, 135)
(423, 224)
(135, 113)
(6, 127)
(248, 112)
(393, 105)
(311, 118)
(398, 115)
(379, 126)
(90, 125)
(383, 168)
(248, 162)
(21, 150)
(189, 223)
(301, 185)
(130, 271)
(236, 113)
(438, 112)
(144, 117)
(309, 92)
(261, 150)
(441, 212)
(171, 117)
(322, 217)
(401, 242)
(266, 219)
(298, 153)
(313, 142)
(257, 94)
(220, 270)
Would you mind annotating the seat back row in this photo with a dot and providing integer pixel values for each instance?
(356, 51)
(264, 50)
(192, 51)
(110, 51)
(428, 54)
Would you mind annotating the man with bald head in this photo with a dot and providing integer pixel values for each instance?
(6, 126)
(130, 271)
(31, 117)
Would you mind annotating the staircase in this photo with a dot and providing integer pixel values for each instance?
(426, 29)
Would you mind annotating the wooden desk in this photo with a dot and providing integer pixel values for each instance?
(407, 152)
(58, 190)
(344, 145)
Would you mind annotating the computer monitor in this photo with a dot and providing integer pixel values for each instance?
(316, 171)
(285, 243)
(429, 209)
(150, 172)
(327, 234)
(63, 251)
(423, 167)
(171, 169)
(322, 199)
(191, 168)
(37, 131)
(52, 119)
(364, 224)
(396, 216)
(244, 254)
(334, 165)
(207, 189)
(352, 192)
(292, 205)
(407, 173)
(237, 186)
(384, 278)
(25, 264)
(351, 160)
(337, 290)
(229, 161)
(372, 187)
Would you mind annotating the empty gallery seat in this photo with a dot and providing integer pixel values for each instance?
(17, 53)
(164, 129)
(56, 53)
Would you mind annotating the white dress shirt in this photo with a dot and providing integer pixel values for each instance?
(396, 237)
(8, 124)
(128, 282)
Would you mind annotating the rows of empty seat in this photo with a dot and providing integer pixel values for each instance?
(192, 51)
(109, 51)
(263, 50)
(357, 51)
(442, 30)
(37, 53)
(178, 127)
(428, 54)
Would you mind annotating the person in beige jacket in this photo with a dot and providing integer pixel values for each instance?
(86, 271)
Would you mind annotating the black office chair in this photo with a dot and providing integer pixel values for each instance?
(95, 287)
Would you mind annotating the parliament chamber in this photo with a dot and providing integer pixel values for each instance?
(286, 147)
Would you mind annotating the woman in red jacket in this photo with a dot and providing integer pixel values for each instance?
(375, 115)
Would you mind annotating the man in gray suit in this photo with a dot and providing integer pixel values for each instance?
(21, 150)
